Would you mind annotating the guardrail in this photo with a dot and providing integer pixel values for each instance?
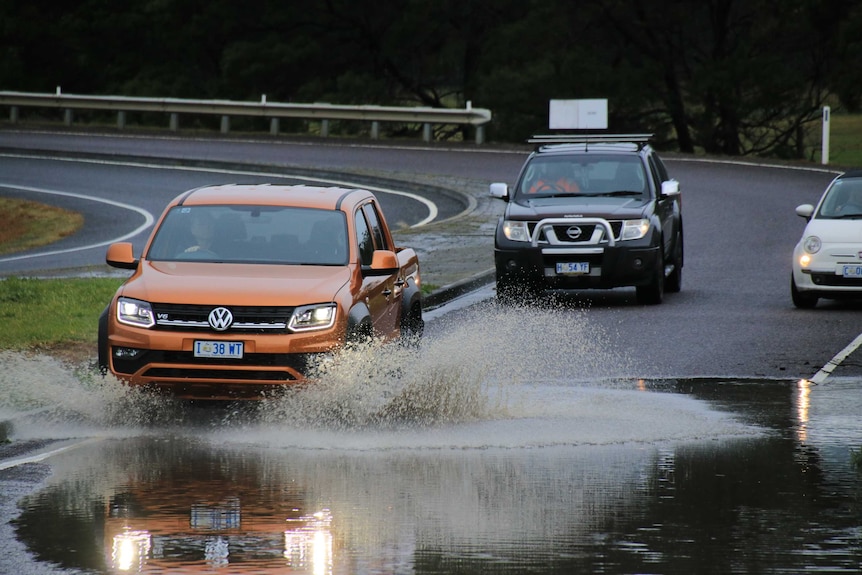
(324, 113)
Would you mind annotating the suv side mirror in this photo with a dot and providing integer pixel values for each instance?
(499, 190)
(670, 188)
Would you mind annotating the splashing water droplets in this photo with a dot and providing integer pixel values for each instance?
(467, 373)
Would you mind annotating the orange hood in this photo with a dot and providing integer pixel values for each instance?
(236, 284)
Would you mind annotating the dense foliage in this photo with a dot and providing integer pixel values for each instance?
(724, 76)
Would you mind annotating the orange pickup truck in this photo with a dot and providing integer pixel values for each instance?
(240, 287)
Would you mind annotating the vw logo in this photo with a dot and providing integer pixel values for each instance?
(574, 232)
(220, 318)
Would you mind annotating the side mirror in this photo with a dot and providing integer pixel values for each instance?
(499, 190)
(805, 211)
(383, 263)
(120, 255)
(670, 188)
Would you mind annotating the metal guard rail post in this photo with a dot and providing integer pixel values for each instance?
(322, 112)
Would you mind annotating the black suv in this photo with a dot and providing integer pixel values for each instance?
(595, 211)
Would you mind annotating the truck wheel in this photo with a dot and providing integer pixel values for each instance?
(102, 348)
(412, 324)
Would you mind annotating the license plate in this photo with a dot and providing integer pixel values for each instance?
(852, 271)
(573, 268)
(227, 349)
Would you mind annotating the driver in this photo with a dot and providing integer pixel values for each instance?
(203, 230)
(556, 177)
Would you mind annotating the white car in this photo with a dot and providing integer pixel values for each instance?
(827, 261)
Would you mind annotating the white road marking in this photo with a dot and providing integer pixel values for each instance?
(429, 205)
(148, 221)
(44, 455)
(827, 369)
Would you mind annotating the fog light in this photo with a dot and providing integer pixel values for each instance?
(511, 265)
(638, 264)
(127, 352)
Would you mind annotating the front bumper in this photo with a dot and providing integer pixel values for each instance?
(164, 360)
(612, 263)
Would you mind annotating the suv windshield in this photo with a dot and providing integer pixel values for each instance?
(251, 234)
(585, 174)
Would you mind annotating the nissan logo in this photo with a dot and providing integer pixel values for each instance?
(220, 318)
(574, 232)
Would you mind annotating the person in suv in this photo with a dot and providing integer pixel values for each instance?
(618, 225)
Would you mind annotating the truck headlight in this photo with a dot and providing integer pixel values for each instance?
(135, 312)
(812, 244)
(516, 231)
(311, 317)
(634, 229)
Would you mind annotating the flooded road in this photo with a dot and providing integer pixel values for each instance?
(450, 457)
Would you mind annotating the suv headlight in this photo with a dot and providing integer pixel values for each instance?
(516, 231)
(135, 312)
(812, 244)
(634, 229)
(311, 317)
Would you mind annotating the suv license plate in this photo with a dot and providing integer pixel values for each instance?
(852, 271)
(573, 268)
(228, 349)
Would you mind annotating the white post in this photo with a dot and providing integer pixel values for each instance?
(824, 150)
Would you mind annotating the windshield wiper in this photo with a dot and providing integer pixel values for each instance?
(620, 193)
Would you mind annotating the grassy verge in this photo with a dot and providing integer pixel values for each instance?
(49, 313)
(845, 141)
(29, 224)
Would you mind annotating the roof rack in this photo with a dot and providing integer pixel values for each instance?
(590, 139)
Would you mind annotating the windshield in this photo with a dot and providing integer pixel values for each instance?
(843, 200)
(584, 174)
(251, 234)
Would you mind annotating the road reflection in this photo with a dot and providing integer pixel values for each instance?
(482, 497)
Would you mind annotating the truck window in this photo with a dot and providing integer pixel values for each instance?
(364, 240)
(376, 231)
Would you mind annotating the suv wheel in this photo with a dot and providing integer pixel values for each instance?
(653, 293)
(802, 300)
(510, 291)
(673, 284)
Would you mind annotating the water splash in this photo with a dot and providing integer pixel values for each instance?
(41, 394)
(468, 373)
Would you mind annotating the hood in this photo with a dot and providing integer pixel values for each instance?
(576, 206)
(835, 231)
(235, 284)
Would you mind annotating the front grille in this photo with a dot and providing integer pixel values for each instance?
(209, 368)
(563, 235)
(246, 319)
(834, 280)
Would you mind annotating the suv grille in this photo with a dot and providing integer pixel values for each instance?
(246, 319)
(562, 231)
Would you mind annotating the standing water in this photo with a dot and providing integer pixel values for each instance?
(518, 443)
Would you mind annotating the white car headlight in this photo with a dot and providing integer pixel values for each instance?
(812, 244)
(634, 229)
(516, 231)
(135, 312)
(311, 317)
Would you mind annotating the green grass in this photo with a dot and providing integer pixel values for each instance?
(845, 141)
(38, 313)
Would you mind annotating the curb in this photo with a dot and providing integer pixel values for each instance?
(449, 292)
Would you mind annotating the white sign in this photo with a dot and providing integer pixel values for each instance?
(578, 115)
